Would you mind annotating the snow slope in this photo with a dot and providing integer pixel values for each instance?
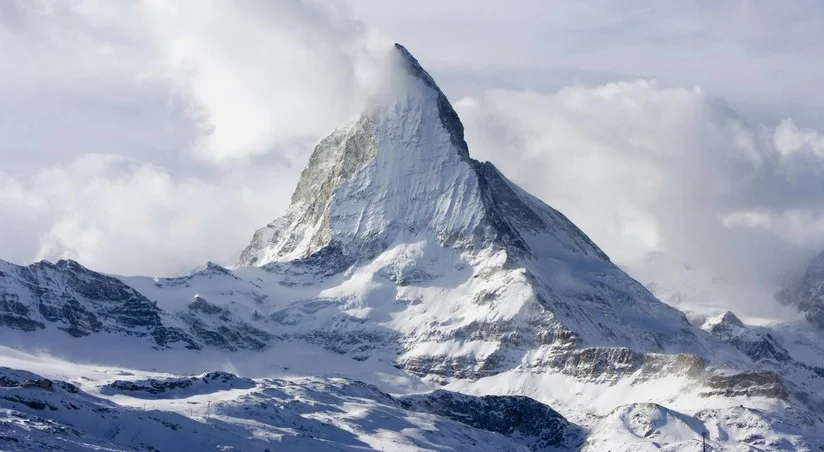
(272, 414)
(651, 427)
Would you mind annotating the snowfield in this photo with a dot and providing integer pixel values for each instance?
(273, 414)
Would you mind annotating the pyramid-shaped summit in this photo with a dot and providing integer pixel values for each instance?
(397, 247)
(401, 172)
(396, 200)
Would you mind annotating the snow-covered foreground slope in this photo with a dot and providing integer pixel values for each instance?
(651, 427)
(91, 406)
(219, 411)
(406, 265)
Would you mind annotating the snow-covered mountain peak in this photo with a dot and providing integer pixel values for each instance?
(402, 173)
(408, 142)
(449, 118)
(723, 321)
(395, 195)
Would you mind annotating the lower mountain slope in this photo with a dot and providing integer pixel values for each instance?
(311, 414)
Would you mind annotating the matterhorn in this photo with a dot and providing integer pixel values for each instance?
(410, 298)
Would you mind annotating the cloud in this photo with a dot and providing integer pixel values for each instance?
(763, 57)
(152, 136)
(231, 80)
(789, 139)
(262, 73)
(122, 216)
(643, 167)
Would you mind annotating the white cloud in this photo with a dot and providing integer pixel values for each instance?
(261, 73)
(151, 136)
(232, 80)
(747, 219)
(762, 56)
(789, 138)
(122, 216)
(643, 167)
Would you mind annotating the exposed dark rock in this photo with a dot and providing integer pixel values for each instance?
(758, 345)
(18, 322)
(508, 211)
(227, 333)
(407, 275)
(31, 403)
(808, 293)
(531, 422)
(40, 383)
(761, 346)
(747, 384)
(80, 302)
(358, 344)
(596, 361)
(443, 366)
(165, 336)
(327, 261)
(203, 384)
(201, 305)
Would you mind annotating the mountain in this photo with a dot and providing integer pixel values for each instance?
(808, 293)
(402, 267)
(397, 196)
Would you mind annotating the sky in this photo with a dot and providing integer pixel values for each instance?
(149, 136)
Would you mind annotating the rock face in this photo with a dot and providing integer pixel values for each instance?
(808, 293)
(537, 425)
(748, 384)
(403, 171)
(178, 386)
(80, 302)
(758, 345)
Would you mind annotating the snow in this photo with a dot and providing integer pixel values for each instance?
(296, 414)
